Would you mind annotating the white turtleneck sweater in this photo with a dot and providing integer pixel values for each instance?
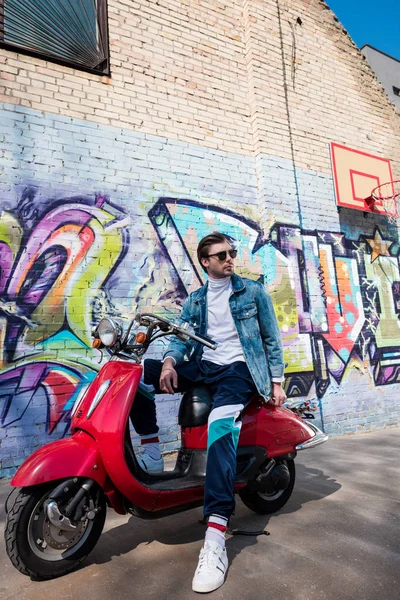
(221, 326)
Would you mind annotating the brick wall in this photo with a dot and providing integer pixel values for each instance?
(217, 115)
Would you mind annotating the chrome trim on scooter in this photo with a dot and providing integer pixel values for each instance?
(319, 438)
(99, 395)
(79, 398)
(58, 519)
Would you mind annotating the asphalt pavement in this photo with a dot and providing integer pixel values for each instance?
(337, 538)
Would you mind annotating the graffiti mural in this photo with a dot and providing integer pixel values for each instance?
(336, 299)
(55, 260)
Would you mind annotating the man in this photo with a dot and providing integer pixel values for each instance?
(238, 314)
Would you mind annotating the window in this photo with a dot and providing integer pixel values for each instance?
(71, 32)
(396, 91)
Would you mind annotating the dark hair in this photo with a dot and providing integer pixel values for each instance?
(206, 242)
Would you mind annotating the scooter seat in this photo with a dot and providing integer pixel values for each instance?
(195, 407)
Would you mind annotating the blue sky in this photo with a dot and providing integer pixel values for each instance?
(373, 22)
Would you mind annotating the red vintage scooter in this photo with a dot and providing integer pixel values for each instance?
(57, 509)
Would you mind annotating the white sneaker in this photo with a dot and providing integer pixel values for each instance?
(151, 465)
(211, 568)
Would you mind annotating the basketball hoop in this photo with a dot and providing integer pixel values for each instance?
(388, 196)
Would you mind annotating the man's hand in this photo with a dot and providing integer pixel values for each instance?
(278, 395)
(168, 377)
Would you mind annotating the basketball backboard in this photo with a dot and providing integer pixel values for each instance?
(355, 175)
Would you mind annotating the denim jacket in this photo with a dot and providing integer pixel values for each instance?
(256, 324)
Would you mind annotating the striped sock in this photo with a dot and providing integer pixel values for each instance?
(216, 529)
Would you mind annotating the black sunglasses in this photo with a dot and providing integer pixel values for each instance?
(222, 255)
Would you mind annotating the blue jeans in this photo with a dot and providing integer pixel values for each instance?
(231, 388)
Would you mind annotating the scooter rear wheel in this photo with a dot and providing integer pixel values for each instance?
(265, 503)
(39, 549)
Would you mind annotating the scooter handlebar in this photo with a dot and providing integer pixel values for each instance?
(203, 339)
(169, 328)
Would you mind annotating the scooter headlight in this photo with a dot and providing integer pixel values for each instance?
(108, 332)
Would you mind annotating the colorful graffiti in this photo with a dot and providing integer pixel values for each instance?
(337, 299)
(55, 260)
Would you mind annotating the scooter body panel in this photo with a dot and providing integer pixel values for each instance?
(76, 456)
(107, 423)
(276, 429)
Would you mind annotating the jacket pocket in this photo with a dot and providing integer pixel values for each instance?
(247, 317)
(247, 311)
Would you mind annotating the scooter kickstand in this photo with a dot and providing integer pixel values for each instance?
(249, 533)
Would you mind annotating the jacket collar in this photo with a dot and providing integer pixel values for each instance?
(237, 283)
(237, 286)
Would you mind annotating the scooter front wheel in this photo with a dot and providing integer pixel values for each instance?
(274, 498)
(39, 548)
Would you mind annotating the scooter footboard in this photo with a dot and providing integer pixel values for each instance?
(76, 456)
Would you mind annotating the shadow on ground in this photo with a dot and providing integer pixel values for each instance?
(311, 484)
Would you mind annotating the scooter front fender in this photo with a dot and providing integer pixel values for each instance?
(76, 456)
